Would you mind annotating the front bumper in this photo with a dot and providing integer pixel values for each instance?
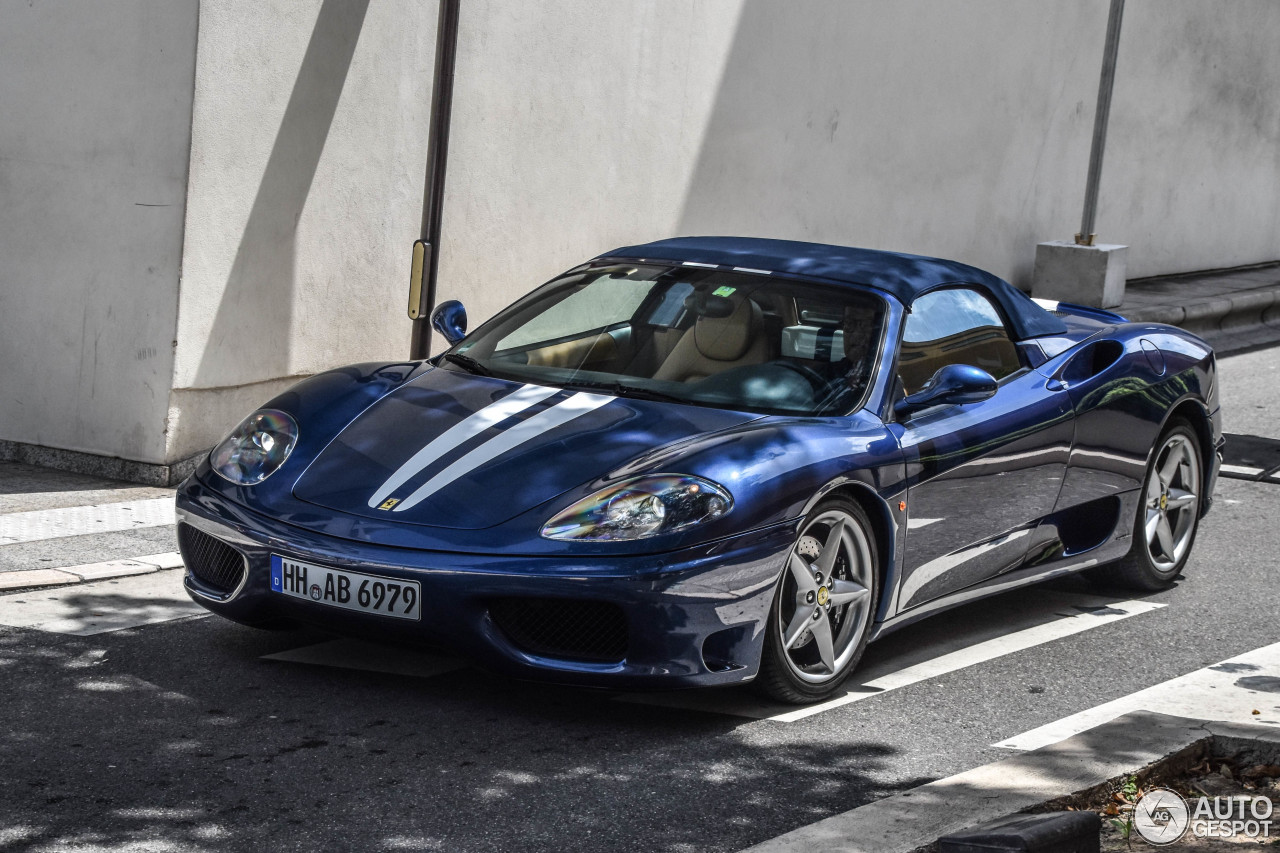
(694, 617)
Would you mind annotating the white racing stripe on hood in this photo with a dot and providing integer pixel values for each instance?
(545, 421)
(494, 413)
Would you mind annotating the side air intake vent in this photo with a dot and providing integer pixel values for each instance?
(1092, 360)
(212, 562)
(563, 628)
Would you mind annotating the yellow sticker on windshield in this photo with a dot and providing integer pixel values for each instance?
(723, 291)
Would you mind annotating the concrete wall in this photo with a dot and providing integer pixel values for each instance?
(95, 116)
(1191, 178)
(576, 129)
(294, 131)
(955, 129)
(308, 157)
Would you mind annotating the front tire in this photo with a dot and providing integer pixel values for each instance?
(1168, 517)
(823, 607)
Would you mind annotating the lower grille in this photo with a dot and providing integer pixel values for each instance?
(211, 561)
(563, 628)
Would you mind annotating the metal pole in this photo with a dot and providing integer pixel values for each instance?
(1086, 235)
(423, 291)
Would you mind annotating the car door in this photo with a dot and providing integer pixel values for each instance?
(980, 475)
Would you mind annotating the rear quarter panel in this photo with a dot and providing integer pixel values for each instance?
(1121, 411)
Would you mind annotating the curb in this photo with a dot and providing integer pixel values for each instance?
(913, 820)
(67, 575)
(1242, 310)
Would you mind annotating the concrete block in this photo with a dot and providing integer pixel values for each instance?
(35, 577)
(109, 569)
(1085, 275)
(1059, 832)
(167, 560)
(1170, 314)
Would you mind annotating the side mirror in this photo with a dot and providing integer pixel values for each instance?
(951, 385)
(450, 320)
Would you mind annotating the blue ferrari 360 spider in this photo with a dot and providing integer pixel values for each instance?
(713, 460)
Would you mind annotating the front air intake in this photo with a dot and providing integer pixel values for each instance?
(212, 562)
(563, 628)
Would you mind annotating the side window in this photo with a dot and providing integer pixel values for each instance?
(670, 310)
(954, 326)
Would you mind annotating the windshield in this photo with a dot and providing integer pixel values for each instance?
(729, 340)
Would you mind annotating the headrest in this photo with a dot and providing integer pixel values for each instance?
(727, 338)
(703, 304)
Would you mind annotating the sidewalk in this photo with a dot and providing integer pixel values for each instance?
(58, 528)
(1231, 309)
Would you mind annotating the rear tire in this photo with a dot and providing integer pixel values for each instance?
(1164, 529)
(823, 607)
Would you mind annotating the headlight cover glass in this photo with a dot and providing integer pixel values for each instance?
(256, 448)
(640, 508)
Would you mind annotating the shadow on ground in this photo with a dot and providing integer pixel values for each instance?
(181, 735)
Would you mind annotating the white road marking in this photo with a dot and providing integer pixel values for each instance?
(95, 608)
(80, 520)
(919, 664)
(1240, 469)
(917, 523)
(357, 654)
(1229, 691)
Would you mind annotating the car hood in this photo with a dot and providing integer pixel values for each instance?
(452, 450)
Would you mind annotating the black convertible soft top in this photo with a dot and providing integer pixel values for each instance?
(904, 276)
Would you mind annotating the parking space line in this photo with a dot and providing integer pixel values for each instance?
(896, 672)
(1243, 470)
(35, 525)
(1242, 689)
(370, 657)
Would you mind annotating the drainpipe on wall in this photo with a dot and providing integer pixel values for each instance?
(426, 251)
(1081, 271)
(1100, 117)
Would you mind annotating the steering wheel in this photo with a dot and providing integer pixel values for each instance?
(817, 382)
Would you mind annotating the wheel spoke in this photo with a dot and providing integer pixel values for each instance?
(1154, 490)
(826, 561)
(843, 592)
(796, 629)
(1179, 499)
(802, 573)
(1153, 521)
(1165, 534)
(821, 628)
(1170, 466)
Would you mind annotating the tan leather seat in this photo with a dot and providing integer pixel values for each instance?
(716, 344)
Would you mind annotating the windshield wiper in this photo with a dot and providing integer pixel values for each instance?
(617, 389)
(467, 363)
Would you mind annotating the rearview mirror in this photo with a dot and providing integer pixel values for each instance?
(951, 385)
(450, 320)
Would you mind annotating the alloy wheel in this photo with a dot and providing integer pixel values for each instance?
(1172, 502)
(826, 599)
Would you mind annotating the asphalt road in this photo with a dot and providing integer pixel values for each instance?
(179, 736)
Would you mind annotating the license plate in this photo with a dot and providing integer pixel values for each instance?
(401, 599)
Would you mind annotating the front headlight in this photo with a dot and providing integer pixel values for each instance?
(640, 508)
(256, 448)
